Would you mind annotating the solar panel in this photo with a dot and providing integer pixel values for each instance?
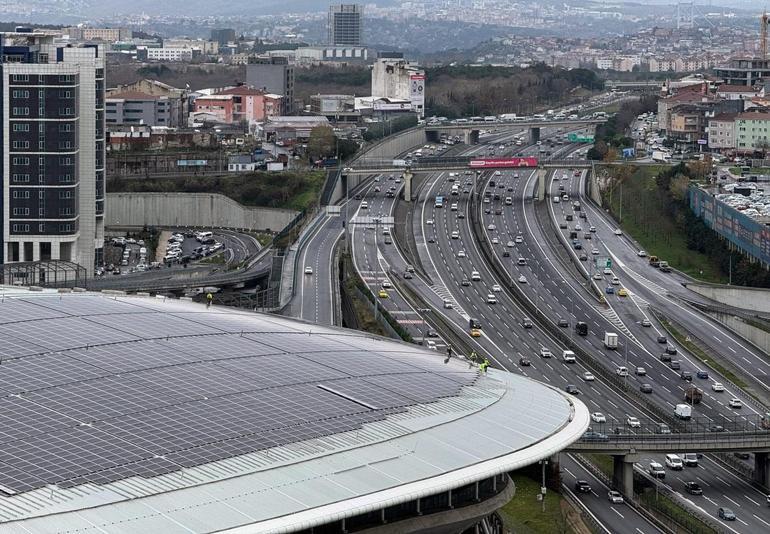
(94, 390)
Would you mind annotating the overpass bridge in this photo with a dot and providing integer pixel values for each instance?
(625, 444)
(470, 130)
(459, 163)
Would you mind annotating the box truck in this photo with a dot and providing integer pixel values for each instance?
(611, 340)
(683, 411)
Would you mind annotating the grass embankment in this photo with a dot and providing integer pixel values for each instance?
(286, 190)
(753, 170)
(644, 218)
(524, 513)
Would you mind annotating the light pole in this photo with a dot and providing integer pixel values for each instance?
(543, 463)
(423, 311)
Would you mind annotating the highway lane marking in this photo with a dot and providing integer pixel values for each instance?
(723, 481)
(621, 515)
(752, 500)
(742, 521)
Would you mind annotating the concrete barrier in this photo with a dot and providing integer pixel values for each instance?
(206, 210)
(748, 298)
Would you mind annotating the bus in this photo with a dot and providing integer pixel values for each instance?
(439, 202)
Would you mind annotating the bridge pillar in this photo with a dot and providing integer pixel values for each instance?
(472, 137)
(534, 134)
(623, 474)
(408, 185)
(542, 177)
(762, 468)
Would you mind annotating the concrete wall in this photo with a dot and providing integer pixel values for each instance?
(755, 335)
(190, 209)
(747, 298)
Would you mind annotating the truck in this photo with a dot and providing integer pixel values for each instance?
(568, 356)
(581, 328)
(611, 340)
(693, 395)
(664, 267)
(659, 155)
(683, 411)
(399, 163)
(654, 261)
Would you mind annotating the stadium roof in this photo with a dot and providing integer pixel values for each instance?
(138, 414)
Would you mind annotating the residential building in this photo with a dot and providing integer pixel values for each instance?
(311, 55)
(134, 107)
(240, 104)
(736, 92)
(336, 108)
(171, 54)
(395, 78)
(744, 71)
(291, 129)
(53, 149)
(685, 95)
(662, 64)
(345, 25)
(160, 89)
(241, 163)
(98, 34)
(273, 75)
(207, 48)
(223, 36)
(752, 131)
(721, 132)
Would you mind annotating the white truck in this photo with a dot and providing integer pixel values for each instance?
(659, 155)
(568, 356)
(683, 411)
(611, 340)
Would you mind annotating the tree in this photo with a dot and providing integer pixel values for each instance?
(322, 143)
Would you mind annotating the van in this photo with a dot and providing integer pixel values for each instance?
(568, 356)
(202, 236)
(556, 200)
(656, 470)
(673, 461)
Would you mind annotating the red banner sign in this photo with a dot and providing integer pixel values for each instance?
(499, 163)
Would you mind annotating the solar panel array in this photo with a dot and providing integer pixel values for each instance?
(95, 390)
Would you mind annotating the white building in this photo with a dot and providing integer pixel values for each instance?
(398, 79)
(169, 54)
(54, 150)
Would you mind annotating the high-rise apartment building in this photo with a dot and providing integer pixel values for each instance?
(273, 75)
(346, 22)
(53, 144)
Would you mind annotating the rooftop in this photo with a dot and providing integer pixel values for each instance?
(131, 95)
(134, 414)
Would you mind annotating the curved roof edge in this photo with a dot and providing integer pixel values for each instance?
(571, 432)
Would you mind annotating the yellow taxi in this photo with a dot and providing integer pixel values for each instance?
(475, 332)
(382, 294)
(622, 292)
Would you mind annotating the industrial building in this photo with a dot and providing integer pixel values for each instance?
(129, 414)
(397, 79)
(54, 149)
(345, 25)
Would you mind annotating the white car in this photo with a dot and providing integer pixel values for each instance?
(588, 376)
(491, 227)
(594, 251)
(615, 497)
(519, 239)
(597, 276)
(455, 234)
(615, 281)
(495, 241)
(496, 288)
(718, 386)
(618, 231)
(522, 279)
(545, 352)
(429, 222)
(308, 270)
(642, 254)
(621, 371)
(460, 253)
(592, 229)
(491, 299)
(386, 284)
(607, 270)
(598, 417)
(633, 422)
(735, 403)
(475, 276)
(510, 244)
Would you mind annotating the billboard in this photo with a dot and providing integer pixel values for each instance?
(417, 92)
(381, 105)
(498, 163)
(191, 163)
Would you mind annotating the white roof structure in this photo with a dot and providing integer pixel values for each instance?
(127, 414)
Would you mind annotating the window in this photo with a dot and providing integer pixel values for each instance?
(65, 144)
(21, 211)
(21, 161)
(20, 228)
(65, 127)
(65, 211)
(65, 162)
(20, 93)
(20, 127)
(65, 194)
(20, 78)
(20, 194)
(20, 144)
(20, 178)
(19, 111)
(65, 227)
(65, 112)
(65, 77)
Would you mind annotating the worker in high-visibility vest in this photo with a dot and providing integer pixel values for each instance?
(209, 298)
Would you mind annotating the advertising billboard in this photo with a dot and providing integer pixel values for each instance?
(382, 105)
(500, 163)
(417, 92)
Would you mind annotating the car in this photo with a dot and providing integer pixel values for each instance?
(519, 239)
(662, 339)
(475, 332)
(386, 284)
(382, 294)
(491, 299)
(524, 362)
(509, 244)
(578, 228)
(686, 375)
(455, 234)
(609, 290)
(676, 365)
(495, 241)
(640, 371)
(496, 288)
(615, 497)
(598, 417)
(607, 271)
(308, 270)
(475, 276)
(621, 371)
(597, 276)
(429, 222)
(583, 257)
(665, 357)
(522, 279)
(431, 333)
(448, 304)
(563, 225)
(460, 253)
(594, 251)
(545, 352)
(592, 229)
(506, 254)
(615, 281)
(656, 470)
(633, 422)
(572, 389)
(521, 261)
(646, 323)
(735, 403)
(716, 428)
(582, 486)
(693, 488)
(461, 215)
(690, 459)
(588, 376)
(673, 461)
(563, 323)
(527, 323)
(491, 227)
(726, 514)
(645, 388)
(670, 349)
(408, 275)
(718, 387)
(617, 231)
(590, 435)
(700, 373)
(465, 282)
(642, 254)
